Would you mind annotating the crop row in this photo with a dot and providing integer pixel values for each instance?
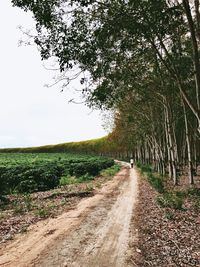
(46, 175)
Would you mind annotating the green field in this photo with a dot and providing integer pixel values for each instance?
(31, 172)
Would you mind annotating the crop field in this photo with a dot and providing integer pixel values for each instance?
(32, 172)
(34, 186)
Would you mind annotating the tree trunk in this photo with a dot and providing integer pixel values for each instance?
(171, 145)
(168, 147)
(190, 168)
(196, 2)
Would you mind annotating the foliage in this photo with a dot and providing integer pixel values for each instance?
(23, 172)
(140, 58)
(170, 200)
(154, 179)
(67, 179)
(110, 171)
(144, 167)
(156, 182)
(94, 146)
(194, 192)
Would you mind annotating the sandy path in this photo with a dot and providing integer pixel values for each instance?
(95, 234)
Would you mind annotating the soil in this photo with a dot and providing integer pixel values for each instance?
(96, 233)
(166, 237)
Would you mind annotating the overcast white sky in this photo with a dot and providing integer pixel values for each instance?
(31, 114)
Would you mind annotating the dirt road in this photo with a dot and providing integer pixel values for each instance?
(95, 234)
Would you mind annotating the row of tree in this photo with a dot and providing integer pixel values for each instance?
(140, 58)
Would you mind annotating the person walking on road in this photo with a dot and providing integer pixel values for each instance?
(131, 161)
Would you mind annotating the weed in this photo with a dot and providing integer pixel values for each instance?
(42, 212)
(196, 205)
(23, 229)
(68, 179)
(144, 168)
(98, 185)
(170, 200)
(52, 206)
(85, 178)
(156, 182)
(194, 191)
(169, 215)
(89, 187)
(110, 171)
(181, 194)
(28, 202)
(18, 209)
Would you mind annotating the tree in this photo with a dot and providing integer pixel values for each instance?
(134, 52)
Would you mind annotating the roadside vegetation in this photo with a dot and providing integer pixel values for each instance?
(27, 173)
(20, 208)
(171, 232)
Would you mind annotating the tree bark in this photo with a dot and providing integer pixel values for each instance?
(190, 167)
(171, 146)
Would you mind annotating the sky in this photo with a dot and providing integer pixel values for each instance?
(30, 113)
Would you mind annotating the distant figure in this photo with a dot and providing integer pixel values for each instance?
(131, 161)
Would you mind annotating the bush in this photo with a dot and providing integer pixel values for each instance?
(92, 168)
(156, 182)
(194, 192)
(170, 200)
(28, 186)
(3, 185)
(39, 175)
(143, 168)
(68, 179)
(86, 177)
(110, 171)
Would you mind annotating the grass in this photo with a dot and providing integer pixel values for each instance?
(169, 215)
(28, 202)
(194, 192)
(154, 179)
(171, 200)
(68, 179)
(18, 209)
(42, 212)
(110, 171)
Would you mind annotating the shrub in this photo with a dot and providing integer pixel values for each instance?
(28, 174)
(110, 171)
(170, 200)
(194, 191)
(156, 182)
(86, 177)
(143, 168)
(65, 180)
(28, 186)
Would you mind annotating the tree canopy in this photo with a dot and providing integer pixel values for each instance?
(142, 58)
